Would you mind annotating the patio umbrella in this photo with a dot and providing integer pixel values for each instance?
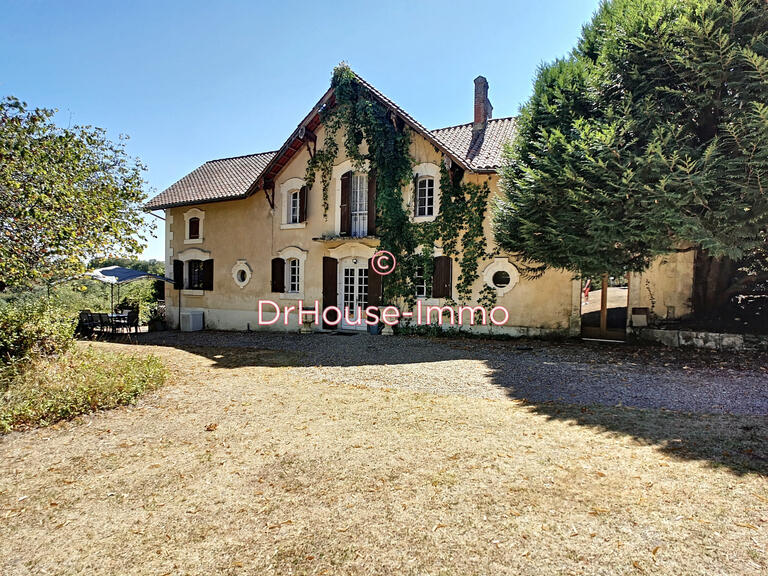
(117, 275)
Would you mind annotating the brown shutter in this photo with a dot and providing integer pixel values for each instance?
(330, 279)
(178, 275)
(375, 286)
(441, 280)
(372, 203)
(346, 214)
(278, 275)
(207, 274)
(303, 204)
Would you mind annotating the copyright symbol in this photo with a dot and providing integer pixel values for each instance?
(383, 262)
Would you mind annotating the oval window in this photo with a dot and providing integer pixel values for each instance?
(501, 279)
(242, 276)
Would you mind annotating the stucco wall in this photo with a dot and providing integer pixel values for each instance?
(666, 287)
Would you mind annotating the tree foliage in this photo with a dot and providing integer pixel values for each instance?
(650, 137)
(66, 195)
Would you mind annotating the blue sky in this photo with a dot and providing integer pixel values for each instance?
(192, 81)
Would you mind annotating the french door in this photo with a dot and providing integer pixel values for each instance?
(353, 281)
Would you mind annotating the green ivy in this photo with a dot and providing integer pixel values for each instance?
(463, 205)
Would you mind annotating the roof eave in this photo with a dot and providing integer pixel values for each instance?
(166, 206)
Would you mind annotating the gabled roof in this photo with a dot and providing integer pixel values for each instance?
(483, 152)
(224, 179)
(234, 178)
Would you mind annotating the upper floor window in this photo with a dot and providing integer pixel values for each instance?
(358, 202)
(425, 197)
(194, 228)
(294, 202)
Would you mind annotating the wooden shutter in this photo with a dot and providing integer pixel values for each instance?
(207, 274)
(372, 203)
(344, 208)
(330, 270)
(278, 275)
(441, 280)
(375, 286)
(303, 204)
(178, 275)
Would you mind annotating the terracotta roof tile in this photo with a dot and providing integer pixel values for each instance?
(224, 179)
(234, 178)
(483, 152)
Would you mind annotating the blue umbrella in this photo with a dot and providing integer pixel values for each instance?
(117, 275)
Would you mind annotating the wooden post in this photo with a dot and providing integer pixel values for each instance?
(604, 306)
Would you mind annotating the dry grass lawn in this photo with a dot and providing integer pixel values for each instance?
(250, 469)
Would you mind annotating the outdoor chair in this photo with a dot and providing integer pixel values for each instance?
(86, 323)
(132, 321)
(105, 322)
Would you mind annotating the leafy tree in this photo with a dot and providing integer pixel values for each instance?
(650, 137)
(66, 195)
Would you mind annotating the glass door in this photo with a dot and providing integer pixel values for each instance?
(353, 295)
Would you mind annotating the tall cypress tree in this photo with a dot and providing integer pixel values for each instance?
(650, 137)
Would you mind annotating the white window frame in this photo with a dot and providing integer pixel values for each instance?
(425, 185)
(421, 172)
(288, 254)
(420, 285)
(358, 205)
(241, 266)
(293, 276)
(287, 190)
(188, 215)
(294, 206)
(501, 265)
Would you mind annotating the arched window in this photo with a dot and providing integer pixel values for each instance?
(425, 196)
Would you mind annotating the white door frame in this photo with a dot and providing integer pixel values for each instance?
(352, 265)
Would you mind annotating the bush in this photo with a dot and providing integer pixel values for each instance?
(33, 329)
(47, 390)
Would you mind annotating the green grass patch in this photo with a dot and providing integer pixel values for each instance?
(42, 391)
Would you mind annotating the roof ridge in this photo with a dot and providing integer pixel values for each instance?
(241, 156)
(470, 123)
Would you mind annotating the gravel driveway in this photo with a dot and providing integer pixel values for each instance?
(536, 371)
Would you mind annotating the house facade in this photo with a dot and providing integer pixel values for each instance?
(245, 230)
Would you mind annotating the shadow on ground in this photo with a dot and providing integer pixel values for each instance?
(687, 403)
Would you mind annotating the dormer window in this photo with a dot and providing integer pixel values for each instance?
(425, 197)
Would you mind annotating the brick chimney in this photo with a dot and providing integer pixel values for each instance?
(483, 108)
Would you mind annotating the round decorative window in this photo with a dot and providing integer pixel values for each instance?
(502, 275)
(241, 273)
(501, 279)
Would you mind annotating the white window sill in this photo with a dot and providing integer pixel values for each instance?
(192, 292)
(425, 218)
(193, 241)
(293, 226)
(429, 301)
(292, 296)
